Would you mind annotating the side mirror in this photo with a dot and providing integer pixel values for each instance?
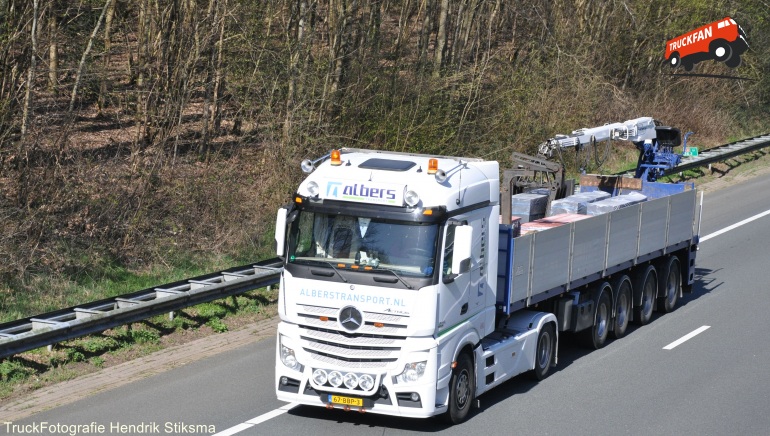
(461, 260)
(280, 231)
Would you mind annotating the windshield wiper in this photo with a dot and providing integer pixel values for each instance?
(395, 274)
(330, 266)
(335, 270)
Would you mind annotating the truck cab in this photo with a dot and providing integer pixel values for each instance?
(388, 274)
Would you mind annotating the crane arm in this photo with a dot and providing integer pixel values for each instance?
(635, 130)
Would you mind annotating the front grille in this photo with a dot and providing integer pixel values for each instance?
(370, 347)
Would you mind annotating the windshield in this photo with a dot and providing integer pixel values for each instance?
(363, 244)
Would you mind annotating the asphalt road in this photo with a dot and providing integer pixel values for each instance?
(715, 383)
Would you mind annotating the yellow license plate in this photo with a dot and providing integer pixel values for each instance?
(347, 401)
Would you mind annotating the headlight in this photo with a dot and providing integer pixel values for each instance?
(289, 359)
(412, 372)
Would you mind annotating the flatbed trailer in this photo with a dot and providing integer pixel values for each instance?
(405, 292)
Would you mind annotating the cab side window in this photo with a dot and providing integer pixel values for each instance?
(449, 242)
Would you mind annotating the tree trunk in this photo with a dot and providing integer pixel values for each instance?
(106, 58)
(53, 54)
(86, 52)
(441, 38)
(30, 77)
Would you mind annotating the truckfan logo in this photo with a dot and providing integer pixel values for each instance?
(723, 41)
(351, 318)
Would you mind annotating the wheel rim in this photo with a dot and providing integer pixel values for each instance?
(622, 311)
(544, 350)
(649, 292)
(720, 52)
(601, 315)
(462, 388)
(673, 284)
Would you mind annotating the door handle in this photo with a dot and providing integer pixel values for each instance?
(464, 309)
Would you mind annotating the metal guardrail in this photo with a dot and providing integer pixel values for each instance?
(722, 152)
(65, 324)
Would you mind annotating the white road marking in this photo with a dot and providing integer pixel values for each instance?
(258, 420)
(686, 337)
(735, 226)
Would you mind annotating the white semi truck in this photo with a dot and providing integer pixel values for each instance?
(403, 294)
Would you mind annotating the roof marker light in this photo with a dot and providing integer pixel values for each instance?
(432, 166)
(336, 159)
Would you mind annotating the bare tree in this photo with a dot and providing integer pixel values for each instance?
(86, 52)
(30, 75)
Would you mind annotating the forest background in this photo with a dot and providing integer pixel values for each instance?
(154, 136)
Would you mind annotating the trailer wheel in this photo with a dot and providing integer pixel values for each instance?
(646, 284)
(546, 344)
(670, 286)
(596, 336)
(461, 389)
(622, 307)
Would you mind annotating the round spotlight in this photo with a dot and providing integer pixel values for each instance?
(366, 382)
(313, 188)
(351, 380)
(411, 198)
(320, 377)
(335, 379)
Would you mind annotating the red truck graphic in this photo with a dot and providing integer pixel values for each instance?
(723, 40)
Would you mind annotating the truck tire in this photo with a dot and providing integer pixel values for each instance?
(645, 287)
(546, 345)
(721, 50)
(596, 336)
(670, 284)
(734, 61)
(674, 60)
(623, 303)
(461, 389)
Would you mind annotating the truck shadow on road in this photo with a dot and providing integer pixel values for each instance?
(571, 349)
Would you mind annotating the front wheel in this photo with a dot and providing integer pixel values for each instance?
(461, 390)
(674, 61)
(546, 346)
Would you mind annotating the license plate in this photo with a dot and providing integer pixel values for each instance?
(347, 401)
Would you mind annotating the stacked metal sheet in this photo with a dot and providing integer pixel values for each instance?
(529, 207)
(551, 222)
(615, 203)
(577, 203)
